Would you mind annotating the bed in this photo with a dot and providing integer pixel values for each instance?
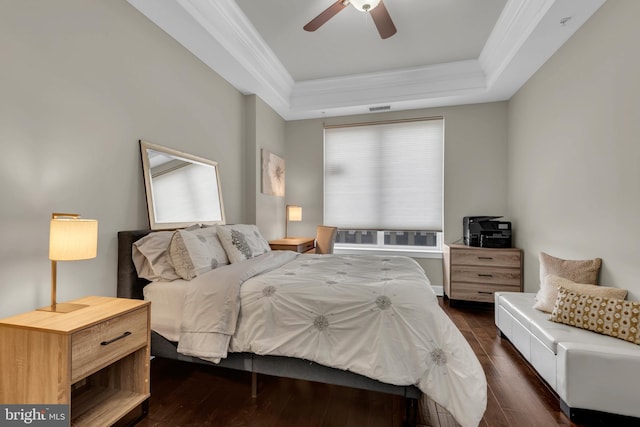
(355, 343)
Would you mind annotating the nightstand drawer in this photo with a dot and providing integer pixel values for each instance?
(297, 244)
(305, 247)
(491, 275)
(100, 345)
(487, 257)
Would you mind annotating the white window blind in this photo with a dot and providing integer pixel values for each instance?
(385, 176)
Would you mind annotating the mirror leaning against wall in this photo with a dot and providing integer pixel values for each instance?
(181, 189)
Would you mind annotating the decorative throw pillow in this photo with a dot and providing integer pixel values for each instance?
(242, 241)
(193, 252)
(608, 316)
(579, 271)
(151, 258)
(546, 297)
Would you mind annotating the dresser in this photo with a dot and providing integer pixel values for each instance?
(95, 359)
(296, 244)
(474, 274)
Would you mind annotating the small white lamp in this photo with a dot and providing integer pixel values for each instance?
(294, 213)
(70, 239)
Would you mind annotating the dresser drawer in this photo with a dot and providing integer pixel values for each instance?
(101, 344)
(475, 274)
(487, 257)
(489, 275)
(479, 292)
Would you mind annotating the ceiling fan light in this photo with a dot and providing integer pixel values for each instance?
(364, 5)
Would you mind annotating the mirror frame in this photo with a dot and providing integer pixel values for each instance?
(146, 171)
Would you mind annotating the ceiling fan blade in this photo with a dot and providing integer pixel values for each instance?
(383, 21)
(329, 13)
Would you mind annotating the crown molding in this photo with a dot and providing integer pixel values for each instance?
(526, 34)
(228, 25)
(514, 26)
(385, 87)
(220, 35)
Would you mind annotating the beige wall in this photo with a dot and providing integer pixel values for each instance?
(265, 130)
(475, 181)
(574, 156)
(81, 82)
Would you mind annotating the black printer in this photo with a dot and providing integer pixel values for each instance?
(485, 232)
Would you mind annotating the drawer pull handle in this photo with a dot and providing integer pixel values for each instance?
(486, 293)
(126, 334)
(485, 257)
(485, 275)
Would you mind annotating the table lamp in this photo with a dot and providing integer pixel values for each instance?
(294, 213)
(70, 239)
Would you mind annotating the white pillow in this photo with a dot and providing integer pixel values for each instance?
(548, 293)
(193, 252)
(151, 258)
(242, 241)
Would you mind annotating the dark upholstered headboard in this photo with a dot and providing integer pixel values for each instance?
(129, 285)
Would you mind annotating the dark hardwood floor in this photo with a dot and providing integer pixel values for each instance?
(196, 395)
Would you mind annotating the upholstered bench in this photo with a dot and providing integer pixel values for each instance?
(588, 371)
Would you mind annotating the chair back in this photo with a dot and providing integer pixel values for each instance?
(325, 239)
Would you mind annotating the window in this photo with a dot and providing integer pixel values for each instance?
(383, 184)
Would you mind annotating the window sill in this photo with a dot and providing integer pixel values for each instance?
(412, 253)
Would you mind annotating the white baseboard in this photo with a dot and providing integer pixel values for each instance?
(439, 290)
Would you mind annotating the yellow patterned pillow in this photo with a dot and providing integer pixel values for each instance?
(609, 316)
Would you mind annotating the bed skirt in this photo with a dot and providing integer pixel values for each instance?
(288, 367)
(431, 414)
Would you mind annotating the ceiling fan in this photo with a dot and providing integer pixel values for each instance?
(376, 9)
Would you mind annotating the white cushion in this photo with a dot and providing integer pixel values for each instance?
(588, 370)
(520, 306)
(599, 377)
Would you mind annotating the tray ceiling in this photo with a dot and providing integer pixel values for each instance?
(446, 52)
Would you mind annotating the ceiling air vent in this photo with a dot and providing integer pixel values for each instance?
(380, 108)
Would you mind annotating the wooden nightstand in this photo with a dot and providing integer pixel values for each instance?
(95, 359)
(475, 274)
(297, 244)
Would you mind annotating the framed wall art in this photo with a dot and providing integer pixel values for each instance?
(272, 174)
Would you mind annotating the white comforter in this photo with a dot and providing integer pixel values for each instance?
(373, 315)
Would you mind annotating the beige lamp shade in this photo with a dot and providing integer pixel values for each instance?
(72, 238)
(294, 213)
